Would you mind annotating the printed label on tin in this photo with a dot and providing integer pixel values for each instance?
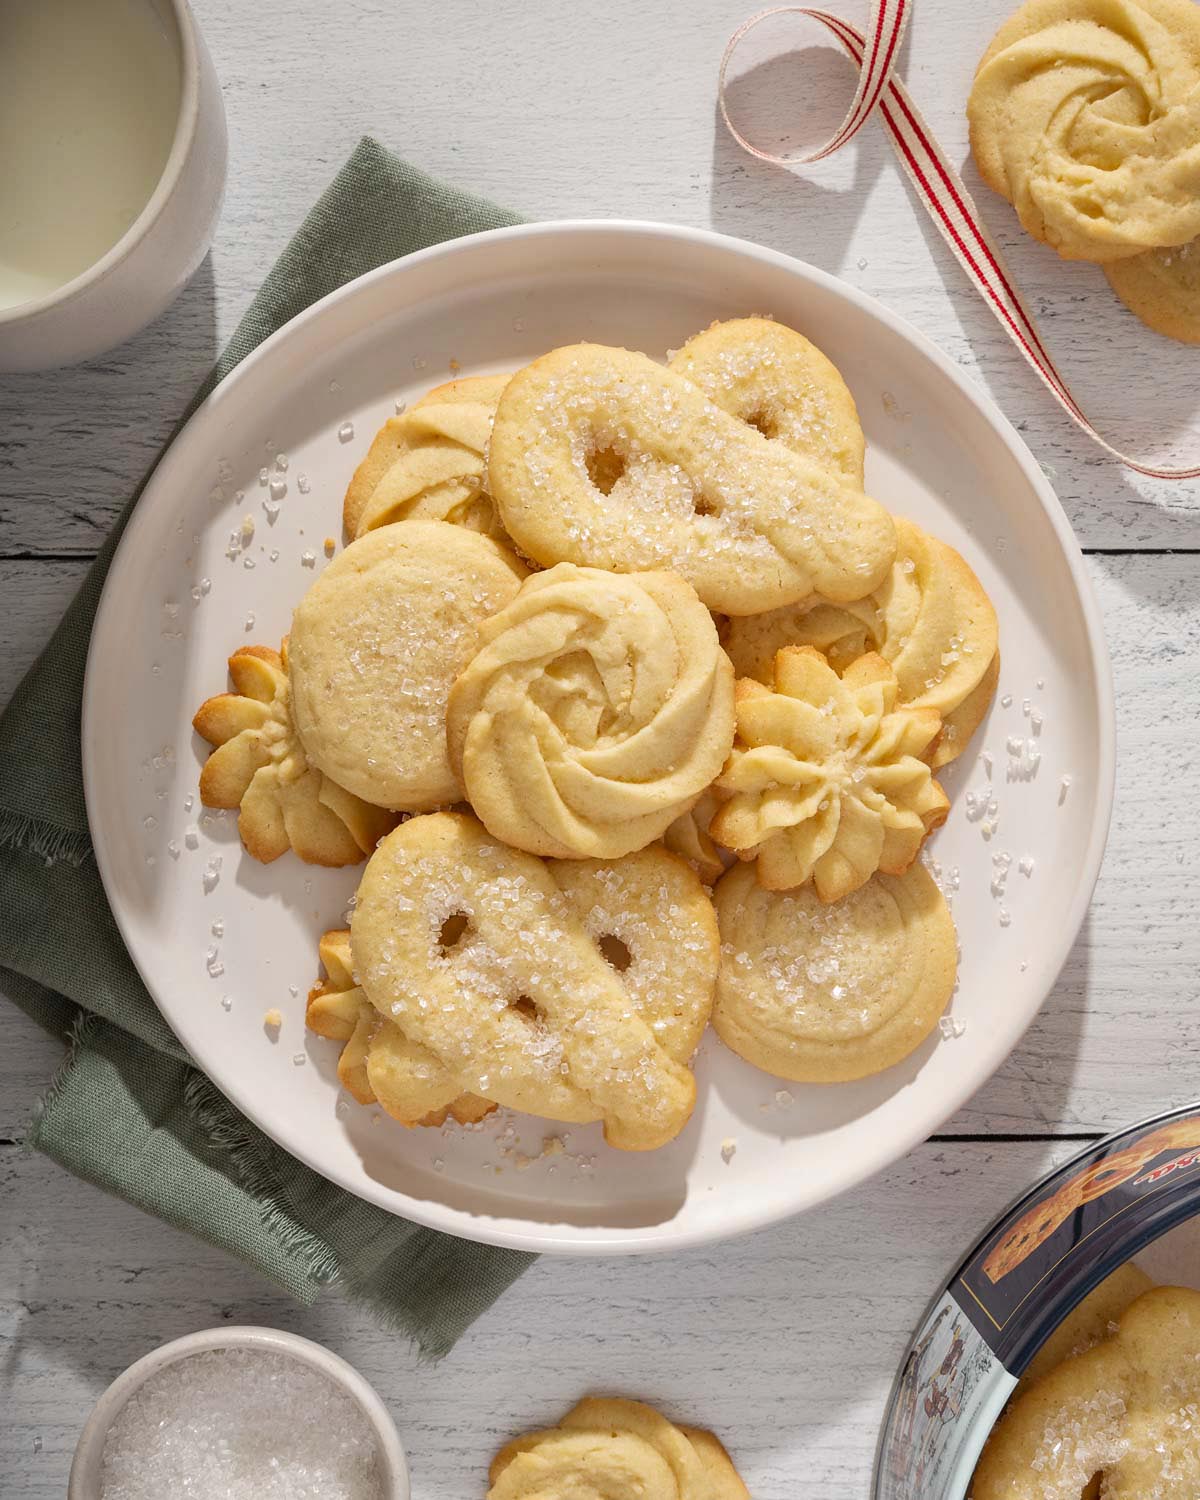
(949, 1393)
(1075, 1228)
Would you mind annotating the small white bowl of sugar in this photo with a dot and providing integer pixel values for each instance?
(239, 1414)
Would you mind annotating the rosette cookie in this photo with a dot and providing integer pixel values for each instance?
(931, 620)
(378, 1064)
(597, 709)
(601, 457)
(481, 957)
(1125, 1410)
(829, 779)
(428, 463)
(375, 645)
(827, 994)
(771, 377)
(259, 766)
(607, 1448)
(1085, 115)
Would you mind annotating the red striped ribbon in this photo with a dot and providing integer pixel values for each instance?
(941, 189)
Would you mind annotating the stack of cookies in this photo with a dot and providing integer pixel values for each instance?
(635, 699)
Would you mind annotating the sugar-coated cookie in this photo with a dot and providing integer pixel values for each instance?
(827, 994)
(428, 463)
(1163, 288)
(601, 457)
(596, 710)
(829, 777)
(376, 644)
(1088, 1322)
(378, 1064)
(770, 376)
(1124, 1410)
(1085, 115)
(558, 990)
(259, 766)
(609, 1448)
(931, 619)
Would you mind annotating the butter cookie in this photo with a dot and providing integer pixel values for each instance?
(556, 989)
(259, 766)
(376, 644)
(601, 457)
(828, 994)
(829, 778)
(1163, 288)
(596, 710)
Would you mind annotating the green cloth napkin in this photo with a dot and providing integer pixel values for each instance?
(129, 1111)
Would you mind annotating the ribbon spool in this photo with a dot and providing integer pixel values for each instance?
(939, 186)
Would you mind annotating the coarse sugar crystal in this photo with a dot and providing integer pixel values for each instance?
(237, 1424)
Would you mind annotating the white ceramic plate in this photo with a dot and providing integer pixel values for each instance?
(937, 451)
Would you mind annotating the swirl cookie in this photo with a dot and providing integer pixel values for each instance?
(1085, 115)
(601, 457)
(559, 991)
(596, 710)
(376, 644)
(1124, 1410)
(607, 1448)
(1163, 288)
(688, 836)
(378, 1064)
(828, 994)
(771, 377)
(429, 463)
(258, 765)
(828, 780)
(931, 620)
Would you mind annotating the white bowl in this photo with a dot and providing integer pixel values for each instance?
(938, 451)
(161, 250)
(84, 1483)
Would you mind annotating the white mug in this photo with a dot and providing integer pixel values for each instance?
(131, 283)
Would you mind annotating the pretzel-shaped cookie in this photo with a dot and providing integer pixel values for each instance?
(1125, 1409)
(601, 457)
(494, 964)
(258, 765)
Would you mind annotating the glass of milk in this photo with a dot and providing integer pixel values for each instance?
(113, 150)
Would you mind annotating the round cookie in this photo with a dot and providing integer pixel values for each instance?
(608, 1448)
(1124, 1409)
(930, 619)
(429, 462)
(771, 377)
(1088, 1322)
(258, 765)
(376, 644)
(829, 779)
(597, 709)
(602, 458)
(477, 954)
(1162, 287)
(1084, 114)
(828, 994)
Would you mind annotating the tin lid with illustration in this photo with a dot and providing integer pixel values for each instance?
(1035, 1264)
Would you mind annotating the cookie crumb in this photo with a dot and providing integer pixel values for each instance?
(728, 1148)
(272, 1021)
(329, 544)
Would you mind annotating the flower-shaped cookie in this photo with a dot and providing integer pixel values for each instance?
(829, 779)
(259, 765)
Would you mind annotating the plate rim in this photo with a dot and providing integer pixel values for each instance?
(572, 1240)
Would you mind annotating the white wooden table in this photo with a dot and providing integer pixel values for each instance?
(785, 1343)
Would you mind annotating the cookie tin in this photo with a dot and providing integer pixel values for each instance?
(1039, 1259)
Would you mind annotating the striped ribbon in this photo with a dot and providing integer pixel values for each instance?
(941, 189)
